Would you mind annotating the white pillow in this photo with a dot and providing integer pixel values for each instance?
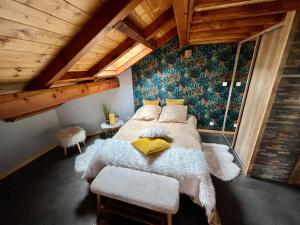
(147, 112)
(174, 114)
(152, 132)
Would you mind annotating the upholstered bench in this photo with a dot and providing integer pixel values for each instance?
(147, 190)
(71, 136)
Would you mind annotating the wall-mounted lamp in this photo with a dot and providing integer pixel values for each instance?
(187, 53)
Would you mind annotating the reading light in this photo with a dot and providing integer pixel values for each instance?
(187, 53)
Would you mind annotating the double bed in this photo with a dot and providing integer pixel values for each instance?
(184, 160)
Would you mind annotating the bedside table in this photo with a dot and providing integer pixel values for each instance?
(110, 130)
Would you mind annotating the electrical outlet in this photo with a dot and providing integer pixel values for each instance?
(224, 84)
(235, 125)
(238, 83)
(211, 123)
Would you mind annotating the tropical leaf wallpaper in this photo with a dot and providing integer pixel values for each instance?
(165, 73)
(243, 67)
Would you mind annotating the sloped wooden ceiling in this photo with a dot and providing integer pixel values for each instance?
(48, 44)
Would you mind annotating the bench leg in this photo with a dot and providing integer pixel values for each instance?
(78, 146)
(65, 151)
(98, 206)
(169, 219)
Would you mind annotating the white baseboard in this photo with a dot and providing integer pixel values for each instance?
(26, 161)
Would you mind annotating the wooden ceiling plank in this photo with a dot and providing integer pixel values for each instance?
(18, 104)
(106, 17)
(215, 41)
(158, 24)
(203, 6)
(237, 23)
(165, 38)
(24, 32)
(60, 9)
(190, 18)
(224, 32)
(181, 8)
(263, 9)
(126, 45)
(126, 27)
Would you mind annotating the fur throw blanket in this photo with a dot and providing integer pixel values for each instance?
(188, 166)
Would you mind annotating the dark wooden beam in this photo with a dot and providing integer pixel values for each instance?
(206, 5)
(108, 15)
(214, 41)
(181, 8)
(242, 31)
(22, 103)
(158, 24)
(237, 23)
(115, 54)
(126, 27)
(263, 9)
(165, 38)
(126, 45)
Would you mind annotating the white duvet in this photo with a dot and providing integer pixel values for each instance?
(188, 166)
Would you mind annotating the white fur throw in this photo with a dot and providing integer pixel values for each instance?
(188, 166)
(191, 167)
(71, 136)
(153, 132)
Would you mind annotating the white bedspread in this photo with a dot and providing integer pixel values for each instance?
(187, 165)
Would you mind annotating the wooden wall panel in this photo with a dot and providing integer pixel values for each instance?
(264, 84)
(280, 146)
(258, 96)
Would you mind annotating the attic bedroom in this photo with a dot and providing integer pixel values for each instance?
(149, 112)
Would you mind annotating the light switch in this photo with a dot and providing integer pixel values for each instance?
(224, 84)
(211, 123)
(235, 125)
(238, 83)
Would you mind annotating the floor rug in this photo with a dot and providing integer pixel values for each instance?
(221, 161)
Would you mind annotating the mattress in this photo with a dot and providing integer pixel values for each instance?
(181, 134)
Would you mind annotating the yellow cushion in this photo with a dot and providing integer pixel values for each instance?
(175, 101)
(150, 145)
(151, 102)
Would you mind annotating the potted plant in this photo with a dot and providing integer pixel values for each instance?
(106, 111)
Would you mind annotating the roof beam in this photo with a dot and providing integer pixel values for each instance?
(263, 9)
(148, 33)
(22, 103)
(208, 5)
(214, 41)
(236, 23)
(95, 29)
(225, 32)
(190, 17)
(181, 11)
(126, 27)
(165, 38)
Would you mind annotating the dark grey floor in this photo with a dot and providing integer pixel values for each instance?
(49, 192)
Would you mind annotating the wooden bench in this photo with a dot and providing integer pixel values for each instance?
(151, 191)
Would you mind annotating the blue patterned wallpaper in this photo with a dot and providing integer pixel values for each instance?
(244, 62)
(166, 74)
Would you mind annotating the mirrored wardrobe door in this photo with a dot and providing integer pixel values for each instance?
(238, 88)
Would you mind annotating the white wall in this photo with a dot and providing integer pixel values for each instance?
(24, 139)
(87, 111)
(28, 138)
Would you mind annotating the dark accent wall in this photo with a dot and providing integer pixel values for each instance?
(280, 145)
(165, 73)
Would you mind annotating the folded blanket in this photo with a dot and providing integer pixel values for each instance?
(188, 166)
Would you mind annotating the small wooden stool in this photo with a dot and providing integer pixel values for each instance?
(71, 136)
(146, 190)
